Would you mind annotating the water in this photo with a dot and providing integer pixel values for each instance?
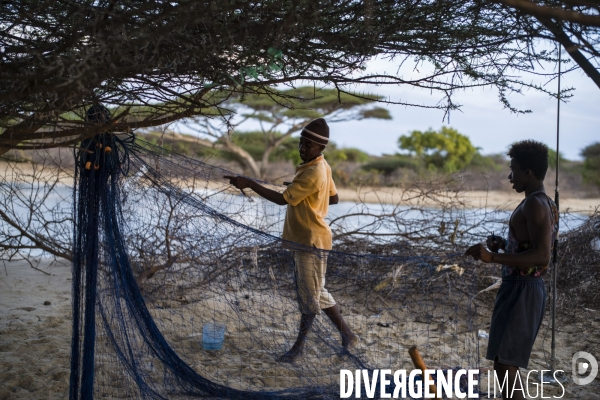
(343, 217)
(475, 221)
(386, 220)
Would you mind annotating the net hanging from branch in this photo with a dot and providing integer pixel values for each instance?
(164, 245)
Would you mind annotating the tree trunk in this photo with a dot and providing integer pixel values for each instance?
(269, 148)
(247, 159)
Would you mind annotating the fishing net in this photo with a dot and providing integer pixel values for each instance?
(164, 247)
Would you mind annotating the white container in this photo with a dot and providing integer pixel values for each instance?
(213, 335)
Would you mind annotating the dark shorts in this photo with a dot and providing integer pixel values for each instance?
(516, 320)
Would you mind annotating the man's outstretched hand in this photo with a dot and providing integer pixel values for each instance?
(238, 181)
(242, 183)
(479, 252)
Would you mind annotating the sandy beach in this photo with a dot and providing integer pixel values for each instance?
(502, 200)
(35, 329)
(35, 322)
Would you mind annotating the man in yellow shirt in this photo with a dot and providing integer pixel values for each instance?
(307, 199)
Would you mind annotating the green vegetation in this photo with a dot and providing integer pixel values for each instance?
(182, 144)
(308, 102)
(447, 149)
(494, 162)
(256, 144)
(591, 163)
(552, 159)
(351, 166)
(282, 113)
(337, 155)
(388, 164)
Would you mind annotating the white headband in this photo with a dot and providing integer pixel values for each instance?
(317, 136)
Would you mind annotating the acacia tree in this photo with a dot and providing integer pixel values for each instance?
(574, 24)
(447, 149)
(576, 11)
(281, 116)
(156, 61)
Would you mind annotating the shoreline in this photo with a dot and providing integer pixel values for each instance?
(492, 199)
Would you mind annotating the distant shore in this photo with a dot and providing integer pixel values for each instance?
(493, 199)
(471, 199)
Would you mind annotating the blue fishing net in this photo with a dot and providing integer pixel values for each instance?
(163, 246)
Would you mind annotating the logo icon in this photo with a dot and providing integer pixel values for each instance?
(582, 363)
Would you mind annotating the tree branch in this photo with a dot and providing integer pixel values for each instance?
(571, 48)
(560, 14)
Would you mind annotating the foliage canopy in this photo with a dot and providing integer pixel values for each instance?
(159, 61)
(281, 114)
(446, 149)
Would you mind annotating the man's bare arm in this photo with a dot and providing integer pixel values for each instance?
(242, 183)
(536, 213)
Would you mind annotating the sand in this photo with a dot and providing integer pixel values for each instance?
(35, 337)
(35, 340)
(502, 200)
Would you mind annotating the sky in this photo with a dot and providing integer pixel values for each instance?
(482, 118)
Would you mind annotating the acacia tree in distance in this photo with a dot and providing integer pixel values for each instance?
(280, 117)
(158, 62)
(446, 149)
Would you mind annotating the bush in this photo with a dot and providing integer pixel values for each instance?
(335, 155)
(387, 165)
(182, 144)
(447, 149)
(494, 162)
(552, 159)
(591, 164)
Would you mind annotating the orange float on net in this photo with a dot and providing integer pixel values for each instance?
(96, 166)
(107, 149)
(88, 165)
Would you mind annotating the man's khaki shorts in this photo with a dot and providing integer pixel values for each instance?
(310, 282)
